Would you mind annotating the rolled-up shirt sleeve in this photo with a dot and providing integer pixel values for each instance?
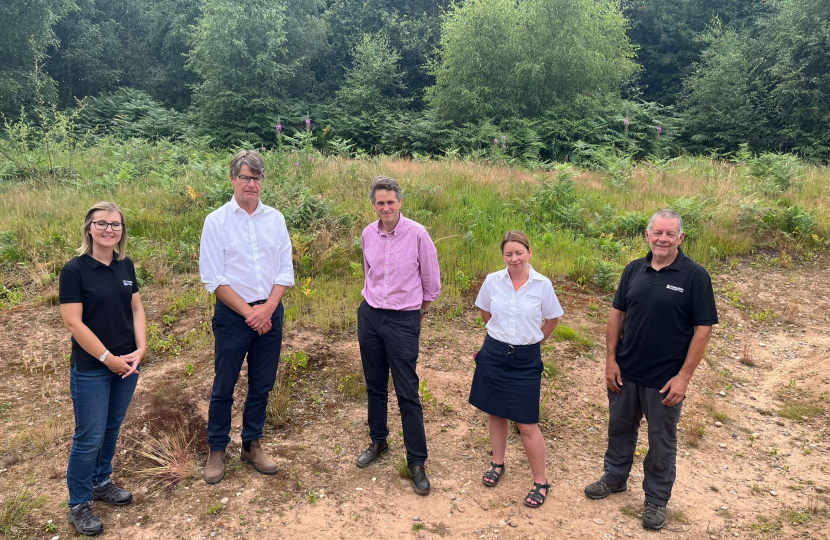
(430, 272)
(211, 256)
(285, 273)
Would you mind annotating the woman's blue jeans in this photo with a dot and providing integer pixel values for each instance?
(100, 399)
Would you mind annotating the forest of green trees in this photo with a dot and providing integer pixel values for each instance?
(535, 80)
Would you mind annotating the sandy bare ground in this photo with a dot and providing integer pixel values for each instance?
(763, 471)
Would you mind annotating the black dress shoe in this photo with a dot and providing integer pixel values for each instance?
(372, 453)
(419, 481)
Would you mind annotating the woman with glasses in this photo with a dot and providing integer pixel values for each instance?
(521, 310)
(102, 309)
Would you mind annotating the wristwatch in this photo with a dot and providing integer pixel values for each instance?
(103, 356)
(423, 311)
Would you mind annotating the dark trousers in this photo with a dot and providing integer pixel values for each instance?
(389, 341)
(626, 409)
(234, 340)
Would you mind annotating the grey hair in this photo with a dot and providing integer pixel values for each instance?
(86, 243)
(666, 213)
(251, 158)
(384, 182)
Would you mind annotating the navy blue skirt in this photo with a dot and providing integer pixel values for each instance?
(507, 381)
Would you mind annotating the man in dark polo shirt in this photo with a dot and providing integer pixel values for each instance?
(660, 324)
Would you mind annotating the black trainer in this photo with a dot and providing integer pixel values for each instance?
(85, 520)
(654, 516)
(419, 480)
(374, 451)
(600, 490)
(112, 494)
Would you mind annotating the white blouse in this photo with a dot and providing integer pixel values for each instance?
(517, 315)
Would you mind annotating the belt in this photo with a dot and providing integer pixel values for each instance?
(257, 303)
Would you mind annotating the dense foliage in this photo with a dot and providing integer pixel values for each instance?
(547, 79)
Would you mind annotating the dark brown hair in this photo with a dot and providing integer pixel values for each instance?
(385, 183)
(515, 236)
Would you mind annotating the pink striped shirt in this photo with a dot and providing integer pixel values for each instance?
(401, 267)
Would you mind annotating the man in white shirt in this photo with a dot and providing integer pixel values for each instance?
(245, 260)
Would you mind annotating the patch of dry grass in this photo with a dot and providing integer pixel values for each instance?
(748, 357)
(279, 402)
(41, 436)
(694, 429)
(172, 456)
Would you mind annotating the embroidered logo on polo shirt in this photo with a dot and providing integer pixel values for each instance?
(672, 287)
(128, 283)
(533, 297)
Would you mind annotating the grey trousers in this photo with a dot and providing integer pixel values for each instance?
(626, 409)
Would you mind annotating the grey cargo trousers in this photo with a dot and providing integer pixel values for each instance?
(626, 409)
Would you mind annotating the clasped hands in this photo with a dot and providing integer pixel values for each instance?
(260, 318)
(126, 364)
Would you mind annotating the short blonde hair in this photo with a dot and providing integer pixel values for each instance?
(86, 244)
(515, 236)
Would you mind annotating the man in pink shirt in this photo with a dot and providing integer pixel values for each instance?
(402, 280)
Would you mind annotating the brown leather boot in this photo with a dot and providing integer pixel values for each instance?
(257, 457)
(215, 467)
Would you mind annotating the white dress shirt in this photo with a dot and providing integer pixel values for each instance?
(517, 315)
(249, 252)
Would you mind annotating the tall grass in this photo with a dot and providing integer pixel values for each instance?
(584, 224)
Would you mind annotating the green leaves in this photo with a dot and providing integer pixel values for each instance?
(500, 58)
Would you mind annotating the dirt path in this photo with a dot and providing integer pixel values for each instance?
(760, 401)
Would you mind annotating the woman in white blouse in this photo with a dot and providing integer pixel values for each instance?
(521, 310)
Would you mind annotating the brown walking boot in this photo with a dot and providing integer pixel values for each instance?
(215, 467)
(259, 459)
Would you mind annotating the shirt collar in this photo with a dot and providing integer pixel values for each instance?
(532, 275)
(235, 206)
(676, 264)
(95, 263)
(395, 230)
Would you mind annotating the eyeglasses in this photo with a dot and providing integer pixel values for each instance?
(245, 179)
(102, 225)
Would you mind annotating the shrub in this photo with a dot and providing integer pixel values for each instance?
(777, 170)
(129, 113)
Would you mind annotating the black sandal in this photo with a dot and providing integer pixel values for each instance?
(492, 474)
(536, 496)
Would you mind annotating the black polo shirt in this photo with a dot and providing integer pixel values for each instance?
(106, 294)
(661, 310)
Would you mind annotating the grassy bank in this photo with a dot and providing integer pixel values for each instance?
(585, 224)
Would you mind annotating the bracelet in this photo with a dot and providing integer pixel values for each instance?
(104, 356)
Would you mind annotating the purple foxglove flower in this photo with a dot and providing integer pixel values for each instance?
(504, 145)
(309, 158)
(659, 129)
(262, 148)
(503, 138)
(296, 163)
(626, 122)
(279, 128)
(495, 141)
